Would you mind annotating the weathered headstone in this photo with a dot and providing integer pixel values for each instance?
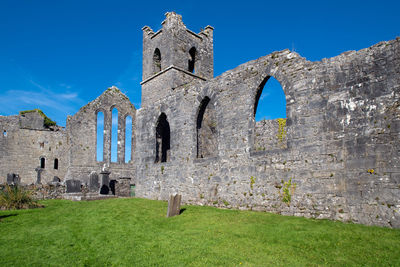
(94, 182)
(10, 178)
(174, 205)
(73, 186)
(105, 183)
(17, 179)
(13, 179)
(38, 175)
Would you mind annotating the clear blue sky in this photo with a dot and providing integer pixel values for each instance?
(59, 55)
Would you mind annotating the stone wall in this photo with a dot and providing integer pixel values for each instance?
(21, 150)
(270, 135)
(342, 139)
(82, 133)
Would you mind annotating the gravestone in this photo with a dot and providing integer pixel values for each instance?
(94, 182)
(174, 205)
(73, 186)
(17, 179)
(38, 175)
(13, 179)
(10, 178)
(105, 183)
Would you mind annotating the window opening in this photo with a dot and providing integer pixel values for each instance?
(128, 139)
(114, 135)
(56, 164)
(42, 163)
(206, 129)
(162, 139)
(100, 136)
(192, 59)
(157, 60)
(270, 116)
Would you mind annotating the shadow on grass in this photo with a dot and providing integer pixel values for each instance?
(8, 215)
(181, 211)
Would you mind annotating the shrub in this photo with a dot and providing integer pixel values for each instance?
(15, 197)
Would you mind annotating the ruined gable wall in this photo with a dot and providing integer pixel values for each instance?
(21, 150)
(342, 123)
(82, 136)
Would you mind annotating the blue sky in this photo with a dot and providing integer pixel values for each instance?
(59, 55)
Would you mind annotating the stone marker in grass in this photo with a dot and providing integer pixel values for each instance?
(174, 205)
(73, 186)
(94, 185)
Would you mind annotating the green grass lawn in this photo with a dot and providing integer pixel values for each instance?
(135, 232)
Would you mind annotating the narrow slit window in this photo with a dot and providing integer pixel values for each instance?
(162, 139)
(128, 139)
(192, 59)
(42, 163)
(114, 135)
(100, 136)
(157, 60)
(56, 164)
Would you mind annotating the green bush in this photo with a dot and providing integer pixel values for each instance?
(15, 197)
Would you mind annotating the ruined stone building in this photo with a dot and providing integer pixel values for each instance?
(336, 156)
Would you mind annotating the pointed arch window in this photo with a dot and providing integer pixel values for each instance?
(192, 59)
(114, 135)
(206, 127)
(162, 139)
(157, 60)
(99, 136)
(270, 131)
(128, 139)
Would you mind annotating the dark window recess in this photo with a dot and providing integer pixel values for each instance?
(162, 139)
(42, 163)
(56, 164)
(192, 59)
(206, 130)
(157, 60)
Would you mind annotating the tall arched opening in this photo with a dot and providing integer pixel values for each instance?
(270, 131)
(163, 135)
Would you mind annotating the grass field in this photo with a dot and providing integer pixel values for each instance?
(135, 232)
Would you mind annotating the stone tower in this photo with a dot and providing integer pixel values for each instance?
(174, 56)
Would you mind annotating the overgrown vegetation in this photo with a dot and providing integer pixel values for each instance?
(287, 191)
(47, 121)
(16, 197)
(281, 131)
(136, 232)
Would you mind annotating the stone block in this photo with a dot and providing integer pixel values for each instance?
(174, 205)
(94, 185)
(73, 186)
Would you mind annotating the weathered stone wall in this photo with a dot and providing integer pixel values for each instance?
(21, 150)
(342, 139)
(82, 133)
(174, 42)
(270, 135)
